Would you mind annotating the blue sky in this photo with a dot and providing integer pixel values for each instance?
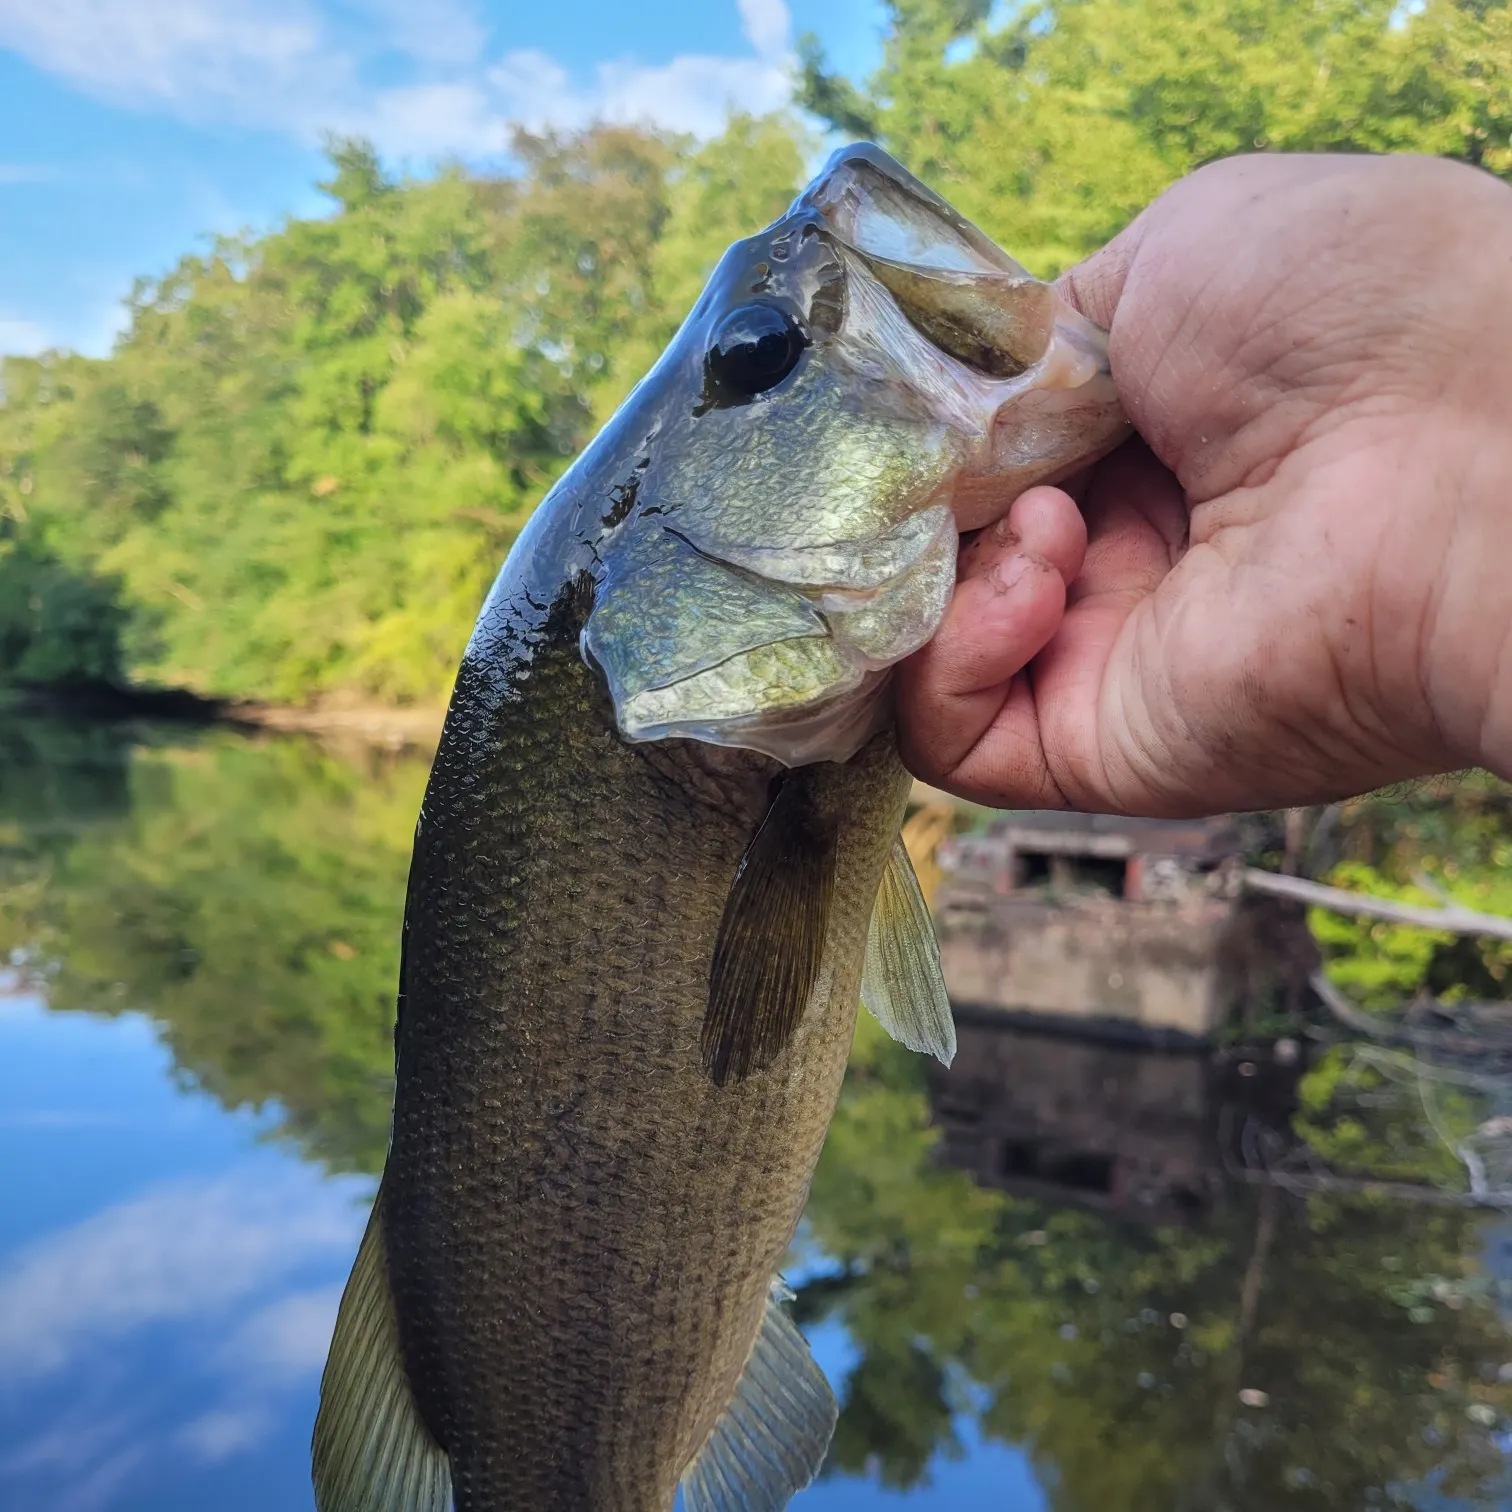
(131, 129)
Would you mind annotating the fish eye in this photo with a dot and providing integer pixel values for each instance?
(754, 348)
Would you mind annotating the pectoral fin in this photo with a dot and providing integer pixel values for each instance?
(773, 1437)
(371, 1452)
(903, 986)
(771, 937)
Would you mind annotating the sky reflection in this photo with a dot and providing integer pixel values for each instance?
(169, 1275)
(168, 1281)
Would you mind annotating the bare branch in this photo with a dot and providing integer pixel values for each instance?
(1453, 918)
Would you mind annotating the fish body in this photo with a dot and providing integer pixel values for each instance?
(657, 853)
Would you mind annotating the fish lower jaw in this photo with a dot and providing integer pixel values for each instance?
(832, 728)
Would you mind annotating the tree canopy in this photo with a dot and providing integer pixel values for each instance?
(301, 466)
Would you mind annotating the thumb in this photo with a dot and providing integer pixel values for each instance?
(1095, 285)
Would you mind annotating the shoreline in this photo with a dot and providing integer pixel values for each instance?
(415, 729)
(396, 728)
(375, 724)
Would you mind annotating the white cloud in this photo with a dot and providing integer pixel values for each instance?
(21, 338)
(429, 120)
(207, 1258)
(91, 1484)
(301, 67)
(692, 92)
(767, 26)
(194, 56)
(28, 173)
(85, 1458)
(177, 1252)
(224, 1431)
(438, 31)
(287, 1339)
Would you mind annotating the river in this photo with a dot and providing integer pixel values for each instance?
(1163, 1297)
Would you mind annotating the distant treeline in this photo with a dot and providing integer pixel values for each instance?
(303, 463)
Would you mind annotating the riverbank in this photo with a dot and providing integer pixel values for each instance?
(374, 724)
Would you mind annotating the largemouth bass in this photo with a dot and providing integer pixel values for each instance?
(658, 850)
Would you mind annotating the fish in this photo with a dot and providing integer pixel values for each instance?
(657, 867)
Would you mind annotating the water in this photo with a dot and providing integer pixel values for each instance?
(1065, 1276)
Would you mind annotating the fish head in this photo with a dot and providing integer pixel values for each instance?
(858, 384)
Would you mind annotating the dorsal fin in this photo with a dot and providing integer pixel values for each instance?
(771, 937)
(903, 986)
(371, 1451)
(776, 1431)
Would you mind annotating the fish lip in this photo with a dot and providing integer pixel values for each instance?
(822, 195)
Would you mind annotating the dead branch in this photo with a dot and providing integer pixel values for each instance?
(1453, 918)
(1306, 1183)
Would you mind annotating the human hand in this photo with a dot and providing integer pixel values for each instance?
(1298, 585)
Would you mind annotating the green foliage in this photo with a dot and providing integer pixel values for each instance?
(1378, 1113)
(1053, 124)
(1115, 1353)
(309, 454)
(302, 465)
(58, 626)
(247, 895)
(1377, 963)
(1451, 841)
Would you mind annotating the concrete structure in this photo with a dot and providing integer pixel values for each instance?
(1138, 860)
(1133, 926)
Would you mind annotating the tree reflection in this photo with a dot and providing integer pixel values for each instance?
(1337, 1353)
(245, 894)
(1342, 1352)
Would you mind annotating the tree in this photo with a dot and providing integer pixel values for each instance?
(1053, 124)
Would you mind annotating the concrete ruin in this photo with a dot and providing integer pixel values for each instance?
(1125, 925)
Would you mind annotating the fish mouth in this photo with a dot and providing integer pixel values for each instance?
(1048, 400)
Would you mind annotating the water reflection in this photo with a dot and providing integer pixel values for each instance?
(1266, 1351)
(1048, 1279)
(1122, 1129)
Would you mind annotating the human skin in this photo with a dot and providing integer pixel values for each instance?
(1296, 583)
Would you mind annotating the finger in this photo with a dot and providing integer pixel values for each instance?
(1137, 533)
(1041, 524)
(1007, 604)
(1045, 744)
(1095, 284)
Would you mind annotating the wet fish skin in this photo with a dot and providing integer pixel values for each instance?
(632, 959)
(581, 1226)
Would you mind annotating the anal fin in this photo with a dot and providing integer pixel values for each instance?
(903, 986)
(771, 936)
(774, 1435)
(371, 1451)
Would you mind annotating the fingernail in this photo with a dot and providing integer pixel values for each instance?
(1007, 573)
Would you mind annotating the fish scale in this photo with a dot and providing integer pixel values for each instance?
(658, 864)
(617, 1247)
